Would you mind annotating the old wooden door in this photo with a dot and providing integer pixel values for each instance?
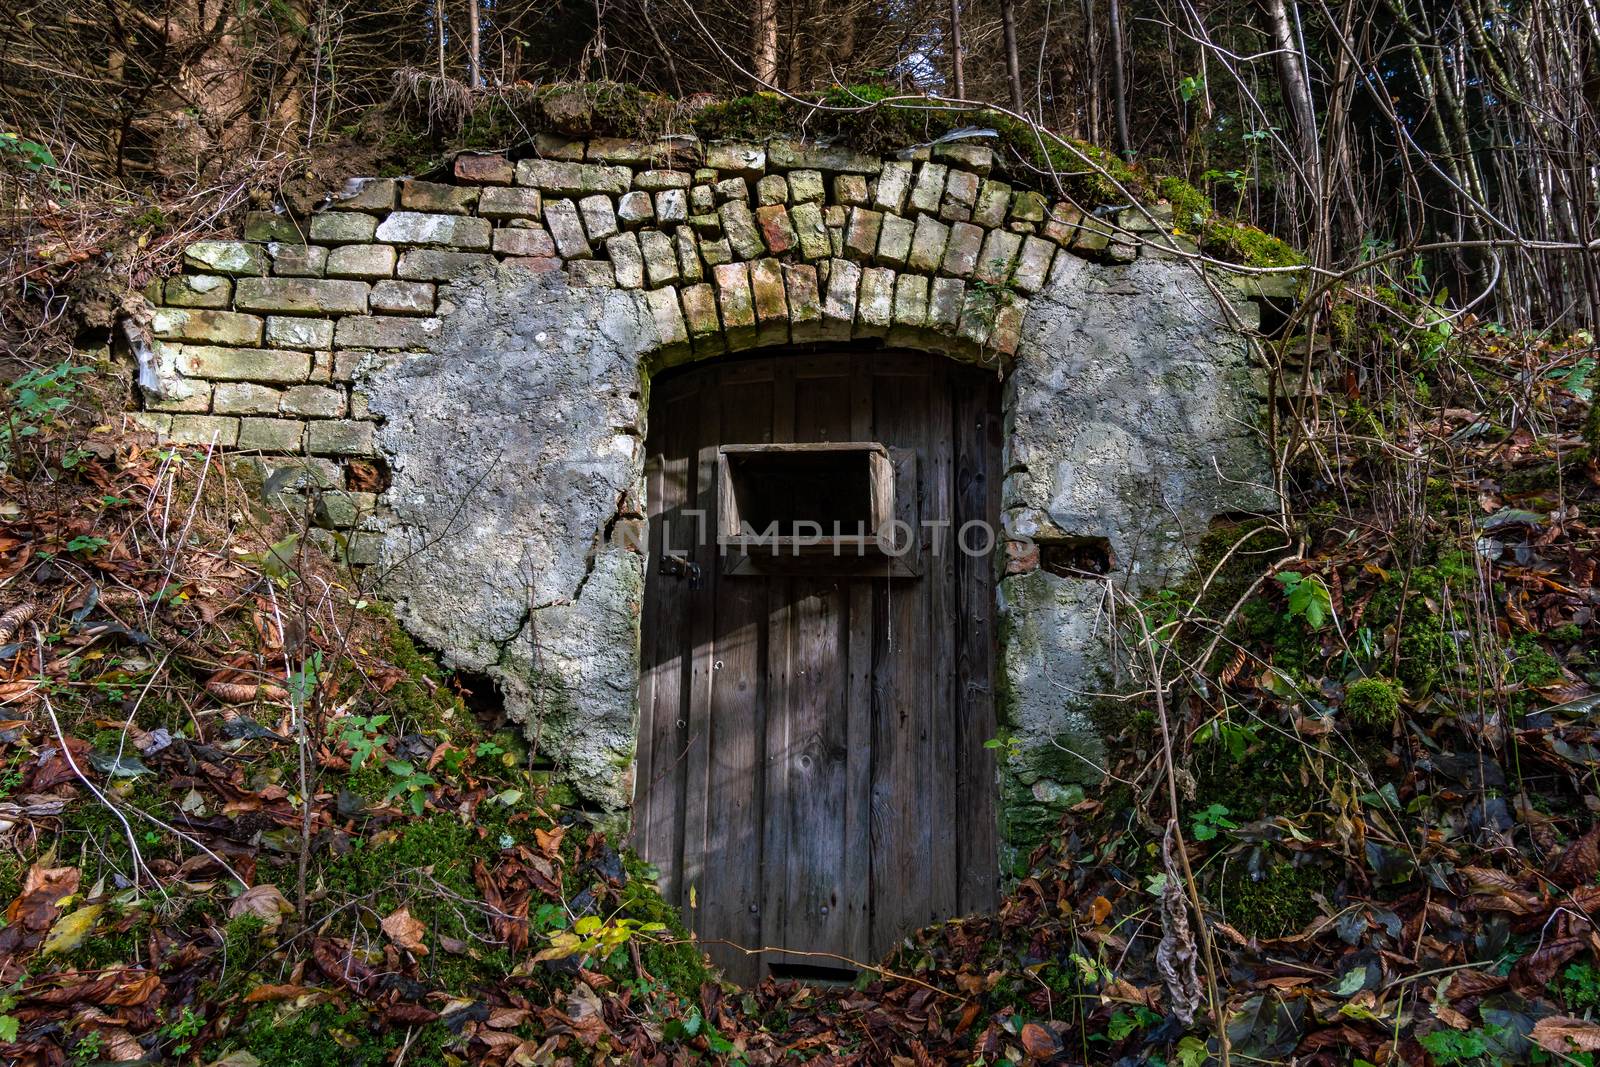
(811, 765)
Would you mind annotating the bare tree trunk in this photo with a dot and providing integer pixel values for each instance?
(958, 74)
(764, 41)
(1008, 22)
(438, 25)
(1297, 94)
(1119, 85)
(474, 45)
(1091, 50)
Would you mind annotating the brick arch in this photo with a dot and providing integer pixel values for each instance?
(731, 245)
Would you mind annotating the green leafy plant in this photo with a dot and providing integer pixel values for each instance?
(1208, 821)
(1454, 1046)
(9, 1024)
(182, 1029)
(411, 783)
(87, 545)
(1308, 598)
(594, 936)
(363, 734)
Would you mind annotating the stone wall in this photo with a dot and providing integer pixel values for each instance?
(490, 339)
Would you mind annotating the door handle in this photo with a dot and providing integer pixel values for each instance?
(673, 566)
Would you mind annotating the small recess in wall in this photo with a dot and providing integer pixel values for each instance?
(1077, 557)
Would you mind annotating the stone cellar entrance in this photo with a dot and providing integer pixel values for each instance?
(811, 769)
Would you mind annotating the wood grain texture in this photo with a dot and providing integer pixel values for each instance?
(811, 760)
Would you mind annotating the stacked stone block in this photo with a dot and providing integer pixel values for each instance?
(732, 246)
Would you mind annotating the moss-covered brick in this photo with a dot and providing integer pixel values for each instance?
(928, 241)
(342, 508)
(656, 181)
(272, 226)
(562, 218)
(994, 199)
(1028, 206)
(385, 331)
(1033, 266)
(672, 331)
(361, 261)
(687, 247)
(716, 251)
(198, 291)
(1006, 331)
(875, 304)
(313, 401)
(310, 295)
(509, 202)
(246, 398)
(804, 300)
(960, 195)
(974, 157)
(911, 300)
(197, 324)
(297, 261)
(591, 274)
(702, 199)
(961, 250)
(737, 158)
(420, 228)
(805, 187)
(893, 186)
(437, 197)
(226, 257)
(771, 304)
(861, 234)
(204, 430)
(484, 168)
(798, 155)
(660, 258)
(290, 331)
(241, 364)
(700, 312)
(342, 227)
(671, 206)
(945, 300)
(1061, 225)
(341, 437)
(271, 435)
(776, 228)
(894, 241)
(524, 241)
(772, 189)
(736, 304)
(296, 473)
(998, 256)
(850, 190)
(441, 265)
(558, 178)
(739, 226)
(810, 231)
(627, 261)
(599, 217)
(634, 208)
(929, 189)
(839, 305)
(193, 397)
(365, 194)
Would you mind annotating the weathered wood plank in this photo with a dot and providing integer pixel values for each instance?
(942, 626)
(732, 899)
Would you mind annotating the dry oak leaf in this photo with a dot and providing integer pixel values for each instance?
(405, 930)
(1564, 1034)
(263, 901)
